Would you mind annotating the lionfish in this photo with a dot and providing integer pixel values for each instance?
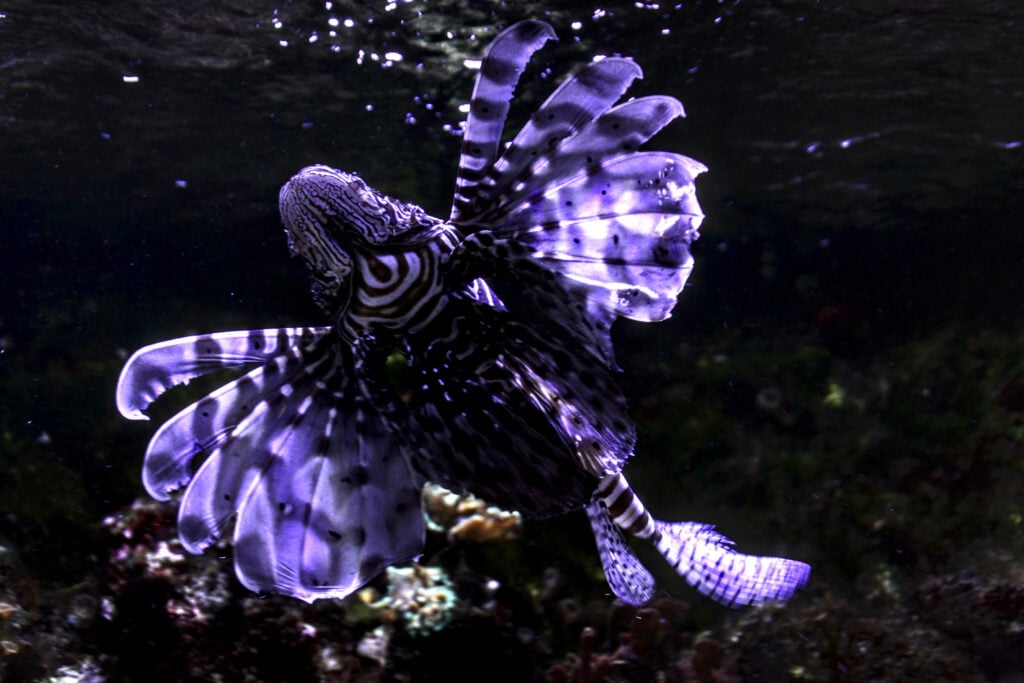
(472, 352)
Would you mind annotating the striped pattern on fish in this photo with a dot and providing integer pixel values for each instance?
(473, 352)
(698, 553)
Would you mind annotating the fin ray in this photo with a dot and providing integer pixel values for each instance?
(500, 69)
(707, 561)
(588, 93)
(626, 575)
(519, 418)
(323, 495)
(203, 427)
(154, 369)
(699, 554)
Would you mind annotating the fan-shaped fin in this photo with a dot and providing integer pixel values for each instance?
(323, 494)
(657, 183)
(626, 575)
(204, 426)
(154, 369)
(325, 526)
(588, 93)
(644, 267)
(620, 235)
(269, 431)
(619, 131)
(502, 64)
(708, 562)
(700, 555)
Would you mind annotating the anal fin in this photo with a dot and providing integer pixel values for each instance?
(628, 578)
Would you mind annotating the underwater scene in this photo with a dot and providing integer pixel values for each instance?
(433, 341)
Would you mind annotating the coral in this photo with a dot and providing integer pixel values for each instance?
(39, 630)
(374, 645)
(467, 518)
(420, 598)
(165, 615)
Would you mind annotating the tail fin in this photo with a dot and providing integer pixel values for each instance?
(700, 555)
(707, 561)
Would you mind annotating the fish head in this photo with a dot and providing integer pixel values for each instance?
(327, 213)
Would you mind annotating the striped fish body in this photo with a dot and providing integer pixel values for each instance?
(497, 321)
(375, 262)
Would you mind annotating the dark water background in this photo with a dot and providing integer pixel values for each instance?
(854, 320)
